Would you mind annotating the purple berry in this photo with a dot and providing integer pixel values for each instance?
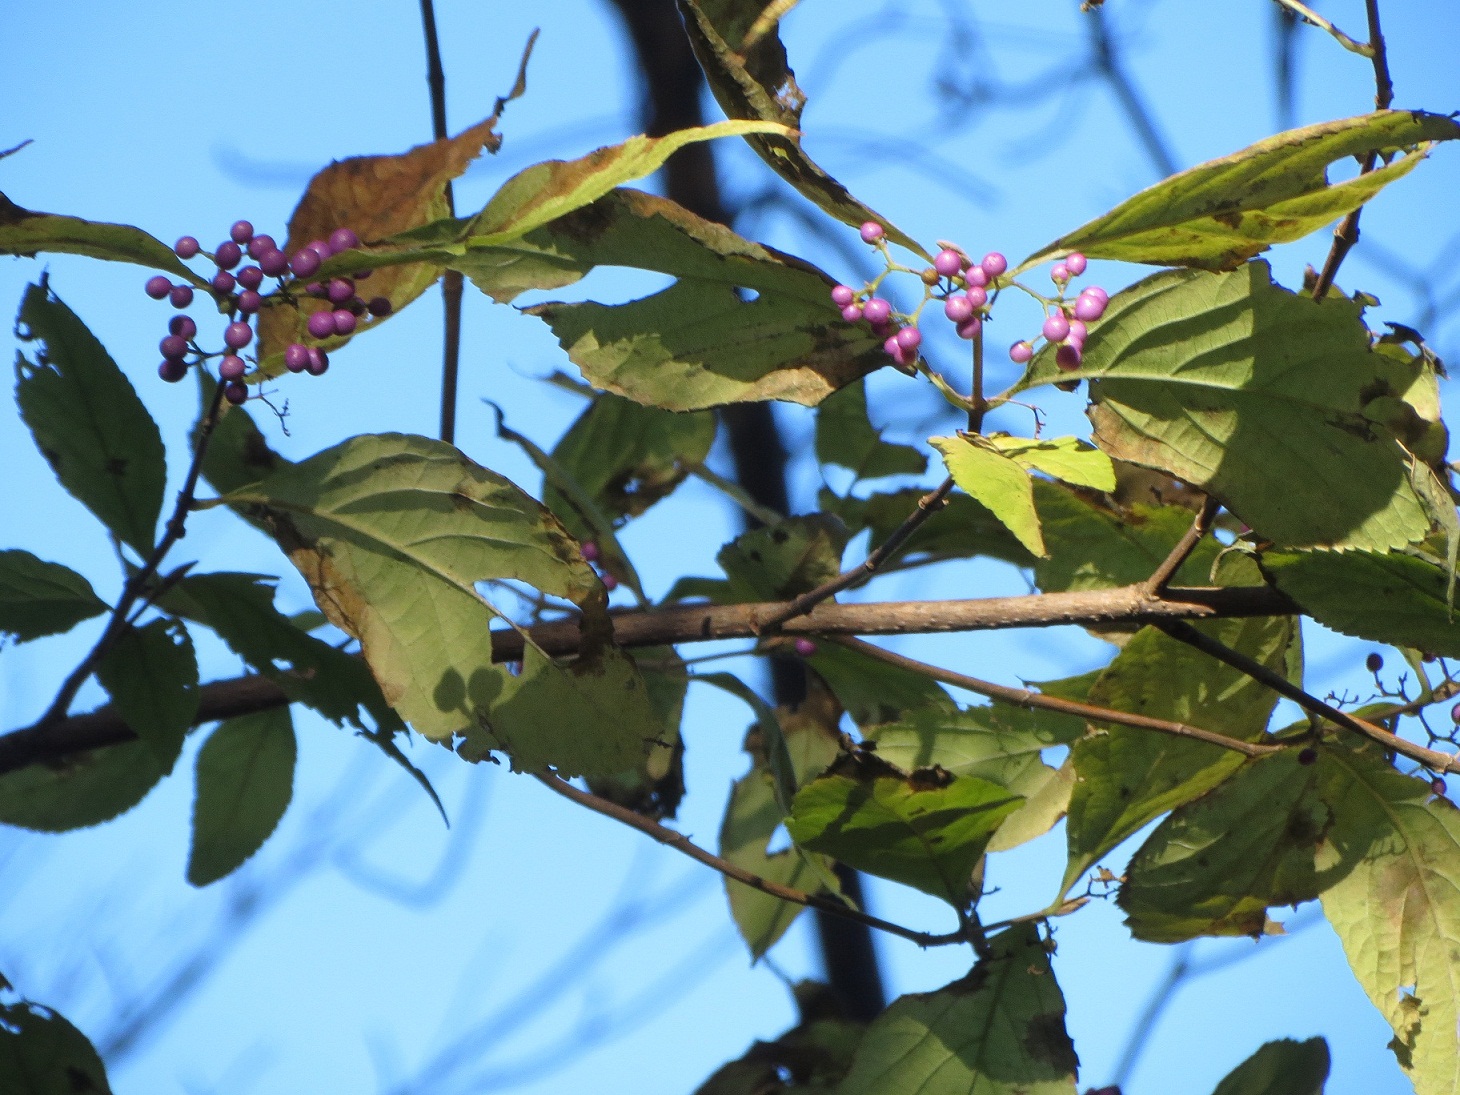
(172, 370)
(1455, 714)
(322, 324)
(958, 309)
(1437, 786)
(1089, 308)
(157, 287)
(231, 367)
(250, 277)
(320, 248)
(970, 327)
(1075, 263)
(296, 357)
(356, 307)
(235, 392)
(228, 255)
(1068, 357)
(249, 302)
(1056, 327)
(380, 306)
(975, 277)
(1307, 756)
(852, 312)
(361, 275)
(315, 289)
(304, 263)
(1078, 333)
(909, 338)
(877, 311)
(842, 295)
(186, 247)
(223, 282)
(241, 232)
(319, 361)
(610, 583)
(261, 245)
(182, 325)
(344, 321)
(341, 289)
(274, 263)
(1374, 662)
(994, 264)
(343, 239)
(1020, 352)
(589, 551)
(871, 232)
(804, 647)
(948, 262)
(173, 346)
(237, 335)
(977, 295)
(1059, 273)
(180, 295)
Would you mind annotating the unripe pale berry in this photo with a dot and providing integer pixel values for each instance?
(970, 327)
(231, 367)
(877, 311)
(842, 295)
(249, 302)
(1056, 327)
(1059, 273)
(344, 321)
(319, 361)
(250, 277)
(174, 346)
(274, 263)
(589, 550)
(1089, 308)
(994, 264)
(186, 247)
(1067, 357)
(304, 263)
(342, 239)
(977, 295)
(157, 287)
(172, 370)
(227, 255)
(235, 392)
(948, 262)
(322, 324)
(929, 276)
(237, 335)
(1075, 263)
(804, 647)
(1020, 352)
(182, 325)
(958, 309)
(852, 312)
(1374, 662)
(909, 338)
(241, 232)
(871, 232)
(180, 295)
(296, 357)
(223, 282)
(380, 306)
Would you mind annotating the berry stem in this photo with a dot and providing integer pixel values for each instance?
(979, 406)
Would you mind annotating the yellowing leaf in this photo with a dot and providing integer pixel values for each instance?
(995, 480)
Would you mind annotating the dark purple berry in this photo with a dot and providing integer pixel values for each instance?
(182, 325)
(1089, 308)
(274, 263)
(174, 346)
(343, 239)
(186, 247)
(228, 255)
(261, 245)
(379, 306)
(994, 264)
(180, 295)
(231, 367)
(355, 306)
(877, 311)
(851, 313)
(322, 324)
(237, 335)
(249, 302)
(970, 327)
(1307, 756)
(948, 262)
(341, 289)
(235, 392)
(1020, 352)
(250, 277)
(1056, 327)
(1437, 786)
(318, 362)
(344, 321)
(304, 263)
(157, 287)
(1374, 662)
(1075, 263)
(223, 282)
(296, 357)
(241, 232)
(842, 295)
(804, 646)
(1068, 357)
(958, 309)
(871, 232)
(314, 289)
(589, 550)
(172, 370)
(909, 338)
(1455, 714)
(361, 275)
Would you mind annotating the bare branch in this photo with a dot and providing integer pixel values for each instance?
(1312, 18)
(1157, 582)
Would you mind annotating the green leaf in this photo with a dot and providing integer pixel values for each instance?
(392, 533)
(1283, 1067)
(927, 830)
(23, 232)
(1044, 806)
(962, 529)
(245, 782)
(1129, 776)
(872, 691)
(810, 1056)
(1065, 458)
(761, 85)
(1398, 916)
(997, 482)
(998, 743)
(998, 1031)
(1259, 397)
(655, 786)
(87, 420)
(1220, 213)
(780, 561)
(845, 436)
(38, 598)
(1395, 598)
(151, 674)
(42, 1053)
(83, 790)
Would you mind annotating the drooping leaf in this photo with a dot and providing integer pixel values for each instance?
(84, 789)
(1221, 213)
(927, 830)
(962, 529)
(872, 691)
(245, 782)
(779, 561)
(1398, 916)
(1283, 1067)
(995, 481)
(151, 674)
(23, 232)
(87, 420)
(1393, 598)
(845, 436)
(998, 1031)
(1259, 397)
(760, 84)
(38, 598)
(42, 1053)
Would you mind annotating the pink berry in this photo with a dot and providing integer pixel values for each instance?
(1075, 263)
(909, 338)
(231, 367)
(174, 346)
(1089, 308)
(180, 295)
(379, 306)
(319, 361)
(1056, 327)
(344, 321)
(172, 370)
(871, 232)
(235, 392)
(958, 309)
(610, 583)
(994, 264)
(977, 295)
(589, 550)
(157, 287)
(241, 232)
(1078, 333)
(305, 262)
(975, 277)
(249, 302)
(322, 324)
(343, 239)
(948, 262)
(1067, 357)
(296, 357)
(842, 295)
(877, 311)
(970, 327)
(182, 325)
(223, 282)
(1020, 352)
(186, 247)
(1059, 273)
(892, 347)
(804, 647)
(274, 263)
(237, 335)
(250, 277)
(852, 312)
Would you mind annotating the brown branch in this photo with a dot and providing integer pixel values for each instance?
(1161, 577)
(681, 843)
(1024, 697)
(1430, 758)
(928, 505)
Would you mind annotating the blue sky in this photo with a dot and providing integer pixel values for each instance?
(566, 953)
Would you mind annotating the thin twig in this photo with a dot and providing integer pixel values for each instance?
(1163, 574)
(1024, 697)
(137, 584)
(451, 281)
(1430, 758)
(979, 406)
(678, 841)
(1312, 18)
(928, 505)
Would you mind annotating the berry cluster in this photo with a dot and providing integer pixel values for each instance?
(591, 555)
(1066, 326)
(235, 290)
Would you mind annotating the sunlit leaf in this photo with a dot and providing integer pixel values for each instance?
(245, 782)
(995, 481)
(1065, 458)
(779, 561)
(151, 674)
(961, 529)
(38, 598)
(23, 232)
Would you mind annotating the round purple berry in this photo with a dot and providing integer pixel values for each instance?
(871, 232)
(235, 392)
(322, 324)
(274, 263)
(948, 262)
(182, 325)
(320, 248)
(341, 289)
(223, 282)
(1089, 308)
(842, 295)
(296, 357)
(241, 232)
(250, 277)
(877, 311)
(174, 346)
(977, 295)
(610, 583)
(356, 307)
(379, 306)
(1374, 662)
(975, 277)
(180, 295)
(1059, 273)
(909, 338)
(186, 247)
(1020, 352)
(994, 264)
(1056, 327)
(315, 289)
(1068, 357)
(1075, 263)
(893, 349)
(852, 312)
(228, 255)
(1078, 333)
(1307, 756)
(342, 239)
(172, 370)
(589, 550)
(157, 287)
(237, 335)
(261, 245)
(249, 302)
(970, 327)
(1455, 714)
(318, 362)
(958, 309)
(361, 275)
(305, 262)
(231, 367)
(804, 647)
(344, 321)
(1437, 786)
